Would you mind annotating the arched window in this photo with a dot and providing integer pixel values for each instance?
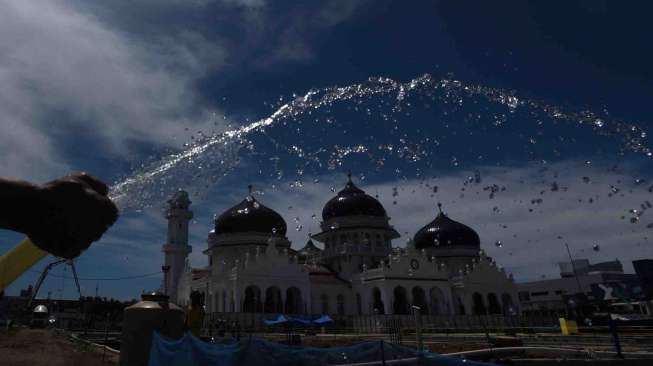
(460, 306)
(400, 301)
(419, 299)
(508, 306)
(342, 245)
(437, 301)
(493, 304)
(273, 302)
(359, 305)
(293, 301)
(367, 242)
(252, 303)
(324, 300)
(377, 302)
(479, 305)
(341, 304)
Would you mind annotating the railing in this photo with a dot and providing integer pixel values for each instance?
(357, 324)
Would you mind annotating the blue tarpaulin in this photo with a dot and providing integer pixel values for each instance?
(192, 351)
(323, 320)
(279, 320)
(300, 321)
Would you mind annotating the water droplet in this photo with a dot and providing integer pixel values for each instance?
(498, 244)
(596, 247)
(274, 230)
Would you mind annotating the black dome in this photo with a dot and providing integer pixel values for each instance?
(444, 232)
(250, 216)
(352, 201)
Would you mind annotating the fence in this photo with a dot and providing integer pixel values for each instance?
(358, 324)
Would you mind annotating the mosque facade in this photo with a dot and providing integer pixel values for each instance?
(349, 268)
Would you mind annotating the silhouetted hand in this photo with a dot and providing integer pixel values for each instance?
(68, 214)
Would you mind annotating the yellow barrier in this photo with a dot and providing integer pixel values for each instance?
(568, 327)
(18, 260)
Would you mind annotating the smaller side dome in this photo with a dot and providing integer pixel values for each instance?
(444, 232)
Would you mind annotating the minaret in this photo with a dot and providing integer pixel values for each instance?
(176, 248)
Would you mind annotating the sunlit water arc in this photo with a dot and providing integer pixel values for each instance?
(383, 103)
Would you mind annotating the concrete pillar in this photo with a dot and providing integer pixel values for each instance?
(387, 301)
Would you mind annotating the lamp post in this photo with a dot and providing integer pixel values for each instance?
(418, 327)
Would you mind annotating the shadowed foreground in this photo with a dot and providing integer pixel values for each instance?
(38, 347)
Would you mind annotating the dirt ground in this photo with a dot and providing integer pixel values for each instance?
(41, 347)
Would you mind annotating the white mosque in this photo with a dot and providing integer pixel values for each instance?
(354, 270)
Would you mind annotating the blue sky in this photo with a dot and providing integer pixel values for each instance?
(105, 87)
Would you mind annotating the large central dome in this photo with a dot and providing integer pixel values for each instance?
(250, 216)
(352, 201)
(444, 232)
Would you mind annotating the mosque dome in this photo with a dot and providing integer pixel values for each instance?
(444, 232)
(250, 216)
(352, 201)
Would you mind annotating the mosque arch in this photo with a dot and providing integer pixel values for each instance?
(359, 305)
(508, 305)
(460, 305)
(478, 306)
(419, 299)
(368, 242)
(340, 304)
(378, 307)
(400, 301)
(324, 302)
(437, 300)
(293, 300)
(493, 304)
(232, 302)
(273, 302)
(252, 302)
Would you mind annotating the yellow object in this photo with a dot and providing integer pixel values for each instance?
(194, 319)
(568, 327)
(18, 260)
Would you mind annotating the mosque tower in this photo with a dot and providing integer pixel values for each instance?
(176, 248)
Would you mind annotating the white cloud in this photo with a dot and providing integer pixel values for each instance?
(63, 71)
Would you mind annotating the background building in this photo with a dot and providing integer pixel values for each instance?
(644, 271)
(552, 296)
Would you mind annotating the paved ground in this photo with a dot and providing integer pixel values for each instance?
(40, 347)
